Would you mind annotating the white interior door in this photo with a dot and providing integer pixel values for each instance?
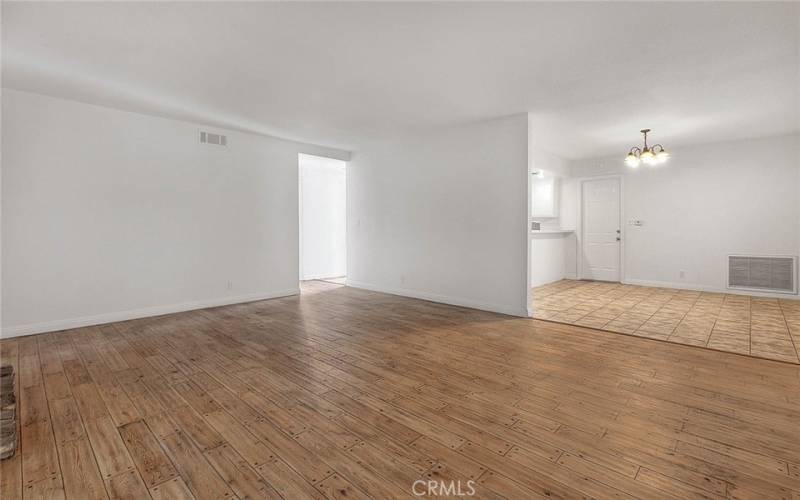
(601, 229)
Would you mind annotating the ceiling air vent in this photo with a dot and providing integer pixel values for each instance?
(212, 138)
(763, 273)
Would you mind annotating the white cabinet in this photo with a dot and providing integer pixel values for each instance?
(544, 196)
(547, 258)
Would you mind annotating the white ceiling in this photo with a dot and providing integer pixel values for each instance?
(340, 74)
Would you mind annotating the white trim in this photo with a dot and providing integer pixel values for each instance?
(579, 227)
(705, 288)
(442, 299)
(65, 324)
(300, 276)
(528, 218)
(322, 277)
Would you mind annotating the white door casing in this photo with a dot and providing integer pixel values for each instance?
(601, 229)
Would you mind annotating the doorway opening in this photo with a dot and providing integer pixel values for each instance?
(576, 233)
(322, 193)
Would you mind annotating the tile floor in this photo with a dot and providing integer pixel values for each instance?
(755, 326)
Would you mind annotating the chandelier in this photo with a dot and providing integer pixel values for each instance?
(648, 155)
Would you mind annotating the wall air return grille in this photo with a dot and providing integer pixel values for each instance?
(212, 138)
(763, 273)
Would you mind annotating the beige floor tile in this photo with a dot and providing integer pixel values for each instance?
(543, 313)
(757, 326)
(651, 335)
(782, 352)
(621, 326)
(567, 317)
(687, 334)
(592, 321)
(732, 326)
(731, 341)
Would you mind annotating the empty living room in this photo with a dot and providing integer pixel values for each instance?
(376, 250)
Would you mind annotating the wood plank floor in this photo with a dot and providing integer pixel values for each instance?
(755, 326)
(344, 393)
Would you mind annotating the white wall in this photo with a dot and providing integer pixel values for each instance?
(568, 219)
(441, 215)
(707, 202)
(553, 163)
(108, 215)
(323, 217)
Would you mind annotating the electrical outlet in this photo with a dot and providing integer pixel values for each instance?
(230, 285)
(682, 274)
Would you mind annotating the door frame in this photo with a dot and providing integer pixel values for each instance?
(300, 243)
(579, 229)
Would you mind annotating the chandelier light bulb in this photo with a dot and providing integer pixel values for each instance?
(647, 157)
(662, 156)
(631, 160)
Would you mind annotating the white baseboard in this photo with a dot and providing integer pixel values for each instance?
(99, 319)
(321, 277)
(443, 299)
(556, 280)
(706, 288)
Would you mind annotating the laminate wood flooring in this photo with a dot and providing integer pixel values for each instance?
(344, 393)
